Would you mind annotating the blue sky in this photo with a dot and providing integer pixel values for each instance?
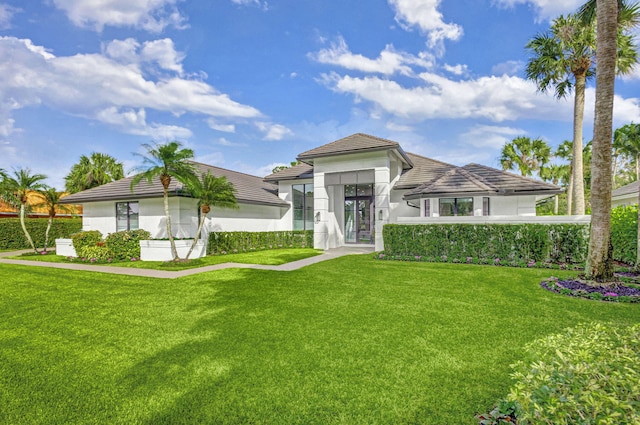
(249, 84)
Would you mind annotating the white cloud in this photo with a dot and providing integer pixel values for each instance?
(483, 136)
(545, 9)
(425, 15)
(508, 68)
(273, 131)
(159, 52)
(6, 15)
(215, 125)
(456, 69)
(150, 15)
(493, 98)
(134, 122)
(98, 87)
(263, 4)
(389, 62)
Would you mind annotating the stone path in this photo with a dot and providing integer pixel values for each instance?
(166, 274)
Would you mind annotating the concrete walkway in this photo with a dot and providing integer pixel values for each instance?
(166, 274)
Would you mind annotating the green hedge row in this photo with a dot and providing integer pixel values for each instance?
(228, 242)
(624, 233)
(557, 243)
(12, 236)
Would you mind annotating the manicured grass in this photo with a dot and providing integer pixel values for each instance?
(347, 341)
(270, 257)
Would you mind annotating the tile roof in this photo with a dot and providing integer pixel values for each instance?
(629, 189)
(475, 179)
(249, 189)
(300, 171)
(424, 171)
(355, 143)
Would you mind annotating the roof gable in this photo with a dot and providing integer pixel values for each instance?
(455, 181)
(511, 183)
(424, 170)
(299, 171)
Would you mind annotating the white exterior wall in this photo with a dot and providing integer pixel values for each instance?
(498, 206)
(624, 200)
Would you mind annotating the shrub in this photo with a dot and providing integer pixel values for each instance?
(95, 254)
(624, 233)
(510, 243)
(126, 244)
(587, 375)
(85, 239)
(256, 241)
(12, 236)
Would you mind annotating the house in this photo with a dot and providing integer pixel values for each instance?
(625, 195)
(344, 191)
(37, 210)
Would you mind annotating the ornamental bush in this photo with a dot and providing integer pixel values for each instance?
(87, 238)
(256, 241)
(624, 233)
(126, 244)
(12, 236)
(511, 243)
(586, 375)
(95, 254)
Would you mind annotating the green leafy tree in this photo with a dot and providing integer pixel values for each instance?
(93, 171)
(527, 155)
(626, 140)
(556, 174)
(15, 190)
(612, 20)
(166, 162)
(211, 191)
(284, 167)
(51, 201)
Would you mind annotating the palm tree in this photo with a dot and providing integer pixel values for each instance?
(565, 151)
(626, 140)
(93, 171)
(555, 173)
(614, 17)
(51, 201)
(211, 191)
(165, 162)
(564, 58)
(527, 155)
(15, 190)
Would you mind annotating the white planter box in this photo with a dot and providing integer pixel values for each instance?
(155, 250)
(65, 247)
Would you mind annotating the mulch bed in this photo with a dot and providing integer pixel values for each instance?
(626, 288)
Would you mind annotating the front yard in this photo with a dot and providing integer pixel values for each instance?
(347, 341)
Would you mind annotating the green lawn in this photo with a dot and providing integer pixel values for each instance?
(347, 341)
(270, 257)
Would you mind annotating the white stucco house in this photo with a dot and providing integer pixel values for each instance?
(344, 191)
(625, 195)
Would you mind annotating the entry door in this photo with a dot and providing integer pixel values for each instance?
(358, 223)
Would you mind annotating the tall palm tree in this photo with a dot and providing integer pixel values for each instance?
(614, 18)
(626, 140)
(166, 162)
(555, 173)
(211, 191)
(51, 201)
(565, 151)
(525, 154)
(15, 190)
(564, 58)
(93, 171)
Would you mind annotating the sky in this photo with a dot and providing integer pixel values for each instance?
(249, 84)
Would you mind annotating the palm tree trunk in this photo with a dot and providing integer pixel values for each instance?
(578, 172)
(46, 233)
(599, 262)
(24, 229)
(556, 205)
(637, 267)
(174, 250)
(195, 239)
(570, 191)
(637, 167)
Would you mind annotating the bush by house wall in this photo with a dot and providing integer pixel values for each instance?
(558, 243)
(624, 233)
(229, 242)
(12, 236)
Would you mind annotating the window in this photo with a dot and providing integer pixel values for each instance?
(456, 207)
(485, 206)
(303, 206)
(126, 216)
(427, 207)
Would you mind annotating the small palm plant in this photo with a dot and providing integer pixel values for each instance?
(166, 162)
(211, 191)
(15, 191)
(51, 201)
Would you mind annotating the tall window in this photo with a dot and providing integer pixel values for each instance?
(126, 216)
(303, 206)
(486, 210)
(456, 207)
(427, 207)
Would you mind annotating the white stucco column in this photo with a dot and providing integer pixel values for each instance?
(382, 203)
(320, 212)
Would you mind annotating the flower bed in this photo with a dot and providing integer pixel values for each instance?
(616, 291)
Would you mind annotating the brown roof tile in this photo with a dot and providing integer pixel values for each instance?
(299, 171)
(424, 170)
(631, 188)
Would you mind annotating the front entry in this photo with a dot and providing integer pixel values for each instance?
(358, 214)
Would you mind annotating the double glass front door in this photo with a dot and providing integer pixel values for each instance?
(358, 213)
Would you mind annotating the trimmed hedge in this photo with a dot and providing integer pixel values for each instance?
(624, 233)
(125, 244)
(227, 242)
(12, 236)
(557, 243)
